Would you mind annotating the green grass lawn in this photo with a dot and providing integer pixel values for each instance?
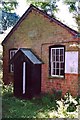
(43, 107)
(35, 108)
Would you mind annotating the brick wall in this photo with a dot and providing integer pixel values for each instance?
(69, 83)
(38, 33)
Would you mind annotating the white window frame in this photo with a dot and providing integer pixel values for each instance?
(11, 65)
(55, 75)
(11, 68)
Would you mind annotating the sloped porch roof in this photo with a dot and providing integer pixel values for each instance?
(29, 54)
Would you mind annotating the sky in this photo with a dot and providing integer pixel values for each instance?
(64, 15)
(22, 7)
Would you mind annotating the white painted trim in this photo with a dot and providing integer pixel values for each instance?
(24, 76)
(12, 51)
(71, 62)
(11, 68)
(11, 65)
(56, 61)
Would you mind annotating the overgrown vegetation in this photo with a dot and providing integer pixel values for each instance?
(45, 106)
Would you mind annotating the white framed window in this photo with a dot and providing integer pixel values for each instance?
(57, 61)
(12, 53)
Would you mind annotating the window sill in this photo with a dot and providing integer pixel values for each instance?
(55, 77)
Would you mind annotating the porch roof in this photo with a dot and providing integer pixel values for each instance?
(29, 54)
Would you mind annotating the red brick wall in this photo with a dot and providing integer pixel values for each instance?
(43, 34)
(69, 83)
(7, 76)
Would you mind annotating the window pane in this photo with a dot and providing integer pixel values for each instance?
(61, 51)
(61, 65)
(57, 71)
(57, 51)
(57, 58)
(61, 72)
(57, 65)
(61, 58)
(54, 65)
(12, 54)
(53, 58)
(53, 72)
(53, 51)
(12, 67)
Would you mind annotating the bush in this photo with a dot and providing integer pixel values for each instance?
(7, 88)
(70, 103)
(72, 107)
(57, 94)
(78, 100)
(49, 101)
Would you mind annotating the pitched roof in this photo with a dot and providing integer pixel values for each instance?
(29, 54)
(32, 7)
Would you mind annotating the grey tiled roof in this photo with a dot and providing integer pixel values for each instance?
(31, 56)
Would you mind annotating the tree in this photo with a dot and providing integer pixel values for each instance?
(8, 5)
(8, 18)
(50, 7)
(74, 7)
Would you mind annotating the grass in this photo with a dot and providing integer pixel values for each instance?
(35, 108)
(45, 106)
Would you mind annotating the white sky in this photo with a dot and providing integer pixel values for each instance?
(65, 16)
(22, 7)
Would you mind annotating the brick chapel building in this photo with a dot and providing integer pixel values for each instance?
(47, 51)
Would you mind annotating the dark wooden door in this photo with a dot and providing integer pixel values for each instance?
(28, 80)
(27, 77)
(33, 80)
(18, 78)
(36, 80)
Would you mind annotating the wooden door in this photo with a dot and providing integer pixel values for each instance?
(27, 78)
(18, 78)
(36, 79)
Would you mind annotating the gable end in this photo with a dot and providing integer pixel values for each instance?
(32, 7)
